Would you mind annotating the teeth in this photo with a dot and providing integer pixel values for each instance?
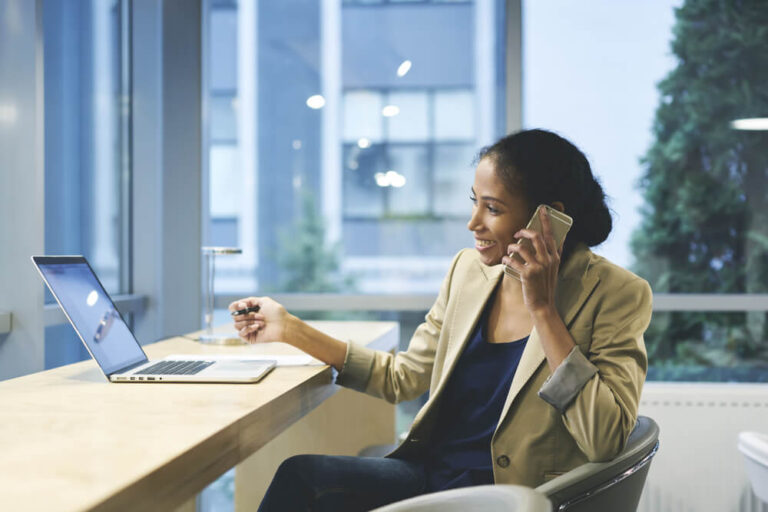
(484, 243)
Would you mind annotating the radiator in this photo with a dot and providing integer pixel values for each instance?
(698, 467)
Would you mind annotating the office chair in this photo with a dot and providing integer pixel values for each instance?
(592, 487)
(488, 498)
(754, 447)
(608, 486)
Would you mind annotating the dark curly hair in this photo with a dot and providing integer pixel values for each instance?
(545, 168)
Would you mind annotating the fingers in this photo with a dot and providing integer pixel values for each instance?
(246, 320)
(546, 228)
(514, 263)
(244, 303)
(250, 330)
(524, 251)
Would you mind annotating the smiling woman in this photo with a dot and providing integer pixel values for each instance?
(497, 213)
(562, 344)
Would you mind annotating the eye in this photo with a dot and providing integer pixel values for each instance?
(473, 199)
(493, 210)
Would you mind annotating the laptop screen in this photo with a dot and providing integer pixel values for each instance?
(91, 312)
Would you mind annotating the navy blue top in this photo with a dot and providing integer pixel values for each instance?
(460, 455)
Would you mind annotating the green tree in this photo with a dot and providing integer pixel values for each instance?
(307, 264)
(705, 185)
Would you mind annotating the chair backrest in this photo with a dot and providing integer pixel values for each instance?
(608, 486)
(488, 498)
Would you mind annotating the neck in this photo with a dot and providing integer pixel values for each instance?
(512, 288)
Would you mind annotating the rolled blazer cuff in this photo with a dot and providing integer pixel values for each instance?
(567, 380)
(357, 368)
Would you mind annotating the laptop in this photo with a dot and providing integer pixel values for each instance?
(111, 343)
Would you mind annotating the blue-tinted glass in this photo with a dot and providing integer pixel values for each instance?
(223, 41)
(223, 118)
(85, 139)
(453, 179)
(363, 197)
(408, 181)
(325, 151)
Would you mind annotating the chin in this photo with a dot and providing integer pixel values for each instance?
(489, 260)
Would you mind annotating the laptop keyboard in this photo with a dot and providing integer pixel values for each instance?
(176, 368)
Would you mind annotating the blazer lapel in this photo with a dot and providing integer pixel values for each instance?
(573, 289)
(471, 300)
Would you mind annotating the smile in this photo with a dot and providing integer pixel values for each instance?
(482, 245)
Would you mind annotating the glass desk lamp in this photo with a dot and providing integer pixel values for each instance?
(209, 297)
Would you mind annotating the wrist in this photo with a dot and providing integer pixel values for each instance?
(288, 329)
(545, 313)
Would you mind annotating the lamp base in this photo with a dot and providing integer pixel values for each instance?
(219, 339)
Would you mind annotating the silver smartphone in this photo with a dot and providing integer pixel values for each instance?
(560, 222)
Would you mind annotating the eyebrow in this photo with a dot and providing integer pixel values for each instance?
(489, 198)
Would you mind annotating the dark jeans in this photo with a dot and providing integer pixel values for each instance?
(324, 483)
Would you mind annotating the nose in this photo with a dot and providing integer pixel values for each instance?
(474, 219)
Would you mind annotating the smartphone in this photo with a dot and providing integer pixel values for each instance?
(560, 222)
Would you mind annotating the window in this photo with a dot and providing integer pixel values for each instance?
(362, 116)
(688, 190)
(86, 147)
(355, 127)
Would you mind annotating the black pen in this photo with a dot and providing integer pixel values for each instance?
(250, 309)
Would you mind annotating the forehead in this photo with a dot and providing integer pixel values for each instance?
(488, 183)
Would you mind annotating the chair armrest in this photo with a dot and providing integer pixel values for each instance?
(488, 498)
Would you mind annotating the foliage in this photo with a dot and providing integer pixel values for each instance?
(705, 185)
(305, 261)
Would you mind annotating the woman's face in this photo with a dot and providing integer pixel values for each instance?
(497, 214)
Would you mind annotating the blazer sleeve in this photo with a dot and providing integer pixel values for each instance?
(598, 394)
(404, 375)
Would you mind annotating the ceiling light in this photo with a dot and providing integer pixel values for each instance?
(316, 101)
(363, 143)
(390, 111)
(396, 179)
(404, 68)
(754, 123)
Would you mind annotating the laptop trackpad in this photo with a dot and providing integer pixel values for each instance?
(237, 366)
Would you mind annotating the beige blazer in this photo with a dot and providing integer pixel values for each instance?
(606, 309)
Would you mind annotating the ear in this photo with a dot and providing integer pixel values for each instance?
(557, 205)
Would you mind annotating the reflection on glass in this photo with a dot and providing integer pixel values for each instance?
(362, 123)
(92, 298)
(86, 91)
(689, 191)
(404, 68)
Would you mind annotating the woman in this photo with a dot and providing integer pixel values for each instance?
(528, 378)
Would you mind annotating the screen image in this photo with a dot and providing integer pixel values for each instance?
(93, 315)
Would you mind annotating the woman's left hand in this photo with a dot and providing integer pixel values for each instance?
(538, 273)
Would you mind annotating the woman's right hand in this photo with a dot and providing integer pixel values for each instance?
(268, 324)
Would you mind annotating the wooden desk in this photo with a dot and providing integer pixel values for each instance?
(69, 440)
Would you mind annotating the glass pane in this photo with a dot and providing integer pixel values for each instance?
(454, 115)
(454, 176)
(223, 68)
(688, 185)
(319, 133)
(705, 346)
(85, 89)
(599, 91)
(412, 120)
(362, 116)
(315, 78)
(225, 179)
(223, 119)
(366, 198)
(407, 181)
